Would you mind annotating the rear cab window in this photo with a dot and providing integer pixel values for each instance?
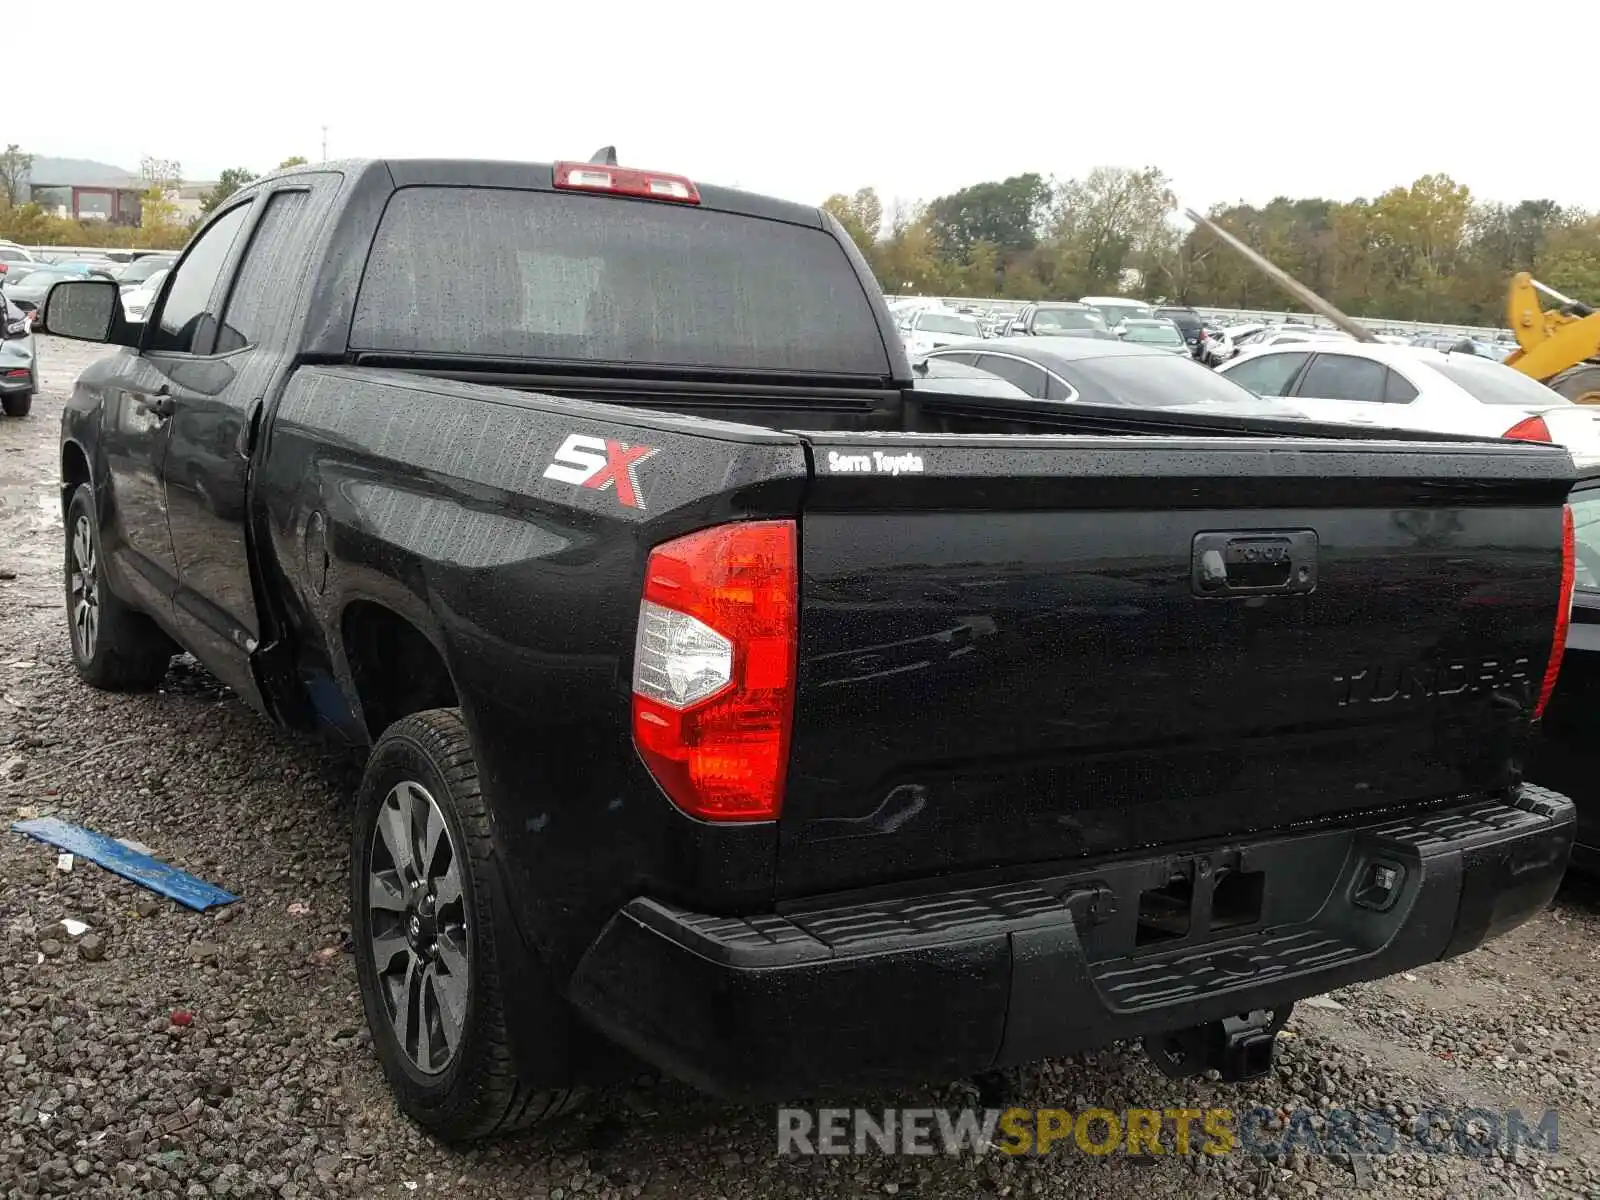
(557, 276)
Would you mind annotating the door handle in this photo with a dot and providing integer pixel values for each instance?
(159, 405)
(246, 441)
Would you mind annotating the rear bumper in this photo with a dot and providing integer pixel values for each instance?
(936, 985)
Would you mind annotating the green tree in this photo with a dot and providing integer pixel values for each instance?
(1418, 234)
(1006, 215)
(1425, 251)
(229, 182)
(15, 167)
(299, 160)
(908, 261)
(1107, 222)
(861, 215)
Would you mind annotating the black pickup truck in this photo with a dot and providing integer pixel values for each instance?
(733, 706)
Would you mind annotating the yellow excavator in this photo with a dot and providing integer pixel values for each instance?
(1560, 347)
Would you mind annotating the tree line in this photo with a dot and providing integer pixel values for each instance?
(161, 225)
(1428, 251)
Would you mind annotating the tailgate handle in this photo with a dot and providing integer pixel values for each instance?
(1255, 563)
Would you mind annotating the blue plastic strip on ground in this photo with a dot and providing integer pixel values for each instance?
(159, 877)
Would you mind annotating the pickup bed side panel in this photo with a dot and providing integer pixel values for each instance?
(1007, 656)
(388, 496)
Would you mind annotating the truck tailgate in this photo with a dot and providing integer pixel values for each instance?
(1028, 649)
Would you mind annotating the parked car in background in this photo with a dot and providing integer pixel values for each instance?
(136, 300)
(939, 373)
(1456, 343)
(930, 327)
(1058, 319)
(1189, 323)
(19, 363)
(1117, 309)
(133, 274)
(1413, 387)
(13, 255)
(1216, 347)
(1161, 334)
(1289, 335)
(28, 293)
(1109, 372)
(102, 267)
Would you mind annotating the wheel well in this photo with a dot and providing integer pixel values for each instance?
(74, 472)
(396, 669)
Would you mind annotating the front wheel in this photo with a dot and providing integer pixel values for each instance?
(426, 946)
(114, 647)
(17, 404)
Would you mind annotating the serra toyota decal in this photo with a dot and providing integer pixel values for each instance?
(601, 463)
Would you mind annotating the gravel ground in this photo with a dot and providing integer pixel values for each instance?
(170, 1053)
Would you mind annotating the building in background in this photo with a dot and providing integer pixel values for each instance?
(84, 190)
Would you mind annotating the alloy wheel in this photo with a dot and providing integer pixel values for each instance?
(416, 917)
(84, 586)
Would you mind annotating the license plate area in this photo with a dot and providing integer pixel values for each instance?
(1200, 896)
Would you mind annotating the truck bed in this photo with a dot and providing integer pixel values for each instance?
(1005, 654)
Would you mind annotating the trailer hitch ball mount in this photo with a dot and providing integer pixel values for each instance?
(1237, 1047)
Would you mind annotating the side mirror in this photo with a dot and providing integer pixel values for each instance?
(89, 310)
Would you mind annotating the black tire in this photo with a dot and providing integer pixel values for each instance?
(479, 1091)
(17, 404)
(1580, 384)
(114, 647)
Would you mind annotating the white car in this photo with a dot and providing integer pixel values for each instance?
(929, 328)
(1287, 335)
(136, 301)
(1413, 387)
(1117, 309)
(1158, 333)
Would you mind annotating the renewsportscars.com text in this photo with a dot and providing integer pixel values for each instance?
(1269, 1132)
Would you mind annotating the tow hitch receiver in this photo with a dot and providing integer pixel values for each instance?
(1238, 1048)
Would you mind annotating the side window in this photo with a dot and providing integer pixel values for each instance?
(1025, 375)
(185, 326)
(265, 288)
(965, 358)
(1586, 536)
(1397, 390)
(1269, 375)
(1343, 377)
(1056, 388)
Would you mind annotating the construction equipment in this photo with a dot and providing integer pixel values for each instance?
(1560, 347)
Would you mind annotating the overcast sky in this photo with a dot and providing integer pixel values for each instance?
(1241, 100)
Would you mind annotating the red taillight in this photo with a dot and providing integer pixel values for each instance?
(1532, 429)
(625, 181)
(17, 373)
(1563, 612)
(714, 668)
